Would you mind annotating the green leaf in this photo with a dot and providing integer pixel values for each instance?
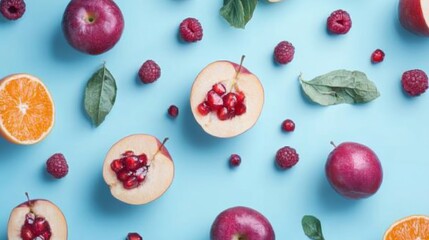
(312, 227)
(340, 86)
(100, 95)
(238, 12)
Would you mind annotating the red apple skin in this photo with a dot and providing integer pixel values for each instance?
(354, 170)
(241, 223)
(237, 67)
(96, 36)
(411, 17)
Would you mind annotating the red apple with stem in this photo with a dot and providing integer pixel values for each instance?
(92, 26)
(354, 170)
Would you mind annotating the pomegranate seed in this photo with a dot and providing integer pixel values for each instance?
(26, 233)
(123, 175)
(214, 100)
(230, 100)
(46, 235)
(240, 109)
(223, 114)
(29, 218)
(235, 160)
(173, 111)
(141, 178)
(377, 56)
(219, 88)
(130, 183)
(288, 125)
(116, 165)
(240, 96)
(40, 225)
(143, 159)
(131, 163)
(203, 108)
(134, 236)
(128, 153)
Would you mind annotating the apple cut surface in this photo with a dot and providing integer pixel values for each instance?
(414, 16)
(225, 72)
(39, 207)
(159, 176)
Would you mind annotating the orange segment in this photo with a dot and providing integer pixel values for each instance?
(410, 228)
(26, 109)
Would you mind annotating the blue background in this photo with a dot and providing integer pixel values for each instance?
(394, 126)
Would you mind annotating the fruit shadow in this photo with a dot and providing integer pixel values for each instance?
(61, 50)
(106, 204)
(331, 200)
(194, 134)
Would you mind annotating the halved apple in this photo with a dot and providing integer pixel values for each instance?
(37, 219)
(138, 169)
(414, 16)
(226, 99)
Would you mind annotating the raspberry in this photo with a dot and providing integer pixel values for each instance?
(57, 165)
(339, 22)
(284, 52)
(377, 56)
(190, 30)
(288, 125)
(149, 72)
(12, 9)
(235, 160)
(286, 157)
(414, 82)
(173, 111)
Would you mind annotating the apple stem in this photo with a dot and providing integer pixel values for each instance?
(28, 199)
(239, 67)
(237, 72)
(160, 147)
(333, 144)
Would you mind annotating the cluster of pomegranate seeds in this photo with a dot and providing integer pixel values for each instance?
(130, 169)
(226, 105)
(35, 227)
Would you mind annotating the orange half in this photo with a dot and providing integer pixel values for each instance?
(26, 109)
(414, 227)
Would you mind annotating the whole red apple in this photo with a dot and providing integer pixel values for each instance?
(414, 16)
(354, 170)
(241, 223)
(92, 26)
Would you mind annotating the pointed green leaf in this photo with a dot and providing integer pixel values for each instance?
(100, 95)
(312, 227)
(238, 12)
(340, 86)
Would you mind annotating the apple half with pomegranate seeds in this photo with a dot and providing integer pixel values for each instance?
(37, 219)
(226, 99)
(414, 16)
(138, 169)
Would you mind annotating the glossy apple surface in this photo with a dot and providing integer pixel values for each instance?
(92, 26)
(414, 16)
(239, 223)
(354, 170)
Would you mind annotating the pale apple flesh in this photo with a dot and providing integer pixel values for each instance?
(414, 16)
(225, 73)
(42, 208)
(159, 176)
